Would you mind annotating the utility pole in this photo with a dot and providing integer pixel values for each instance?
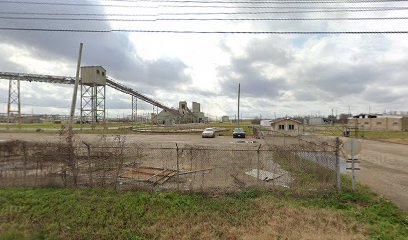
(239, 96)
(74, 96)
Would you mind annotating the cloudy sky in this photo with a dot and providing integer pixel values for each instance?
(282, 74)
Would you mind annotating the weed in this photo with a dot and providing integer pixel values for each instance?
(101, 213)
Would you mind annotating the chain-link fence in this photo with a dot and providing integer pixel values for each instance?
(302, 167)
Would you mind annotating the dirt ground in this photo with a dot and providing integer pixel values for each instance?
(143, 138)
(384, 166)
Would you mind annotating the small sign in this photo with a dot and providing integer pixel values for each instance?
(352, 147)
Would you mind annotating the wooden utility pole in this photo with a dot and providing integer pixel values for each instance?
(239, 95)
(74, 96)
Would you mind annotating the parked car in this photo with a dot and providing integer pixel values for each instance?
(208, 132)
(238, 133)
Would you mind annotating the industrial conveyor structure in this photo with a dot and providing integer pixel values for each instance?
(92, 93)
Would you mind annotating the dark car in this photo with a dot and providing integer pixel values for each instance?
(238, 133)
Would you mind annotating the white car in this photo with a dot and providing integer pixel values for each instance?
(208, 132)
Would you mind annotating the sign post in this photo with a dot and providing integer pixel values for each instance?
(353, 148)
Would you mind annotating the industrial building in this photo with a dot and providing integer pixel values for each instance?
(93, 92)
(182, 115)
(92, 85)
(266, 122)
(287, 126)
(379, 122)
(225, 119)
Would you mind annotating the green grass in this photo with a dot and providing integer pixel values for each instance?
(64, 125)
(306, 173)
(93, 214)
(391, 136)
(385, 220)
(56, 128)
(246, 125)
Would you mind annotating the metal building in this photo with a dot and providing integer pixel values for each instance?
(93, 92)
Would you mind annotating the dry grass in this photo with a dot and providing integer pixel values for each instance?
(301, 223)
(269, 218)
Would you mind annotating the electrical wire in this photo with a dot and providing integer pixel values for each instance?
(160, 16)
(261, 1)
(207, 19)
(204, 13)
(190, 6)
(205, 32)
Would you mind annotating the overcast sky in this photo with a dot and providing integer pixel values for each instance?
(283, 74)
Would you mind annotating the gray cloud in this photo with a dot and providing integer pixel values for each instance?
(322, 79)
(267, 51)
(304, 95)
(331, 80)
(253, 83)
(338, 79)
(114, 51)
(381, 95)
(247, 70)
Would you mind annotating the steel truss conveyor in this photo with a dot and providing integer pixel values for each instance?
(71, 80)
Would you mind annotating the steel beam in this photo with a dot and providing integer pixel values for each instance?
(14, 103)
(134, 109)
(37, 78)
(92, 104)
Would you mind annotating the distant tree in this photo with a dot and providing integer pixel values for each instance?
(343, 118)
(256, 121)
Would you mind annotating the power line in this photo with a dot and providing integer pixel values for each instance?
(208, 19)
(202, 13)
(264, 2)
(206, 32)
(182, 6)
(260, 1)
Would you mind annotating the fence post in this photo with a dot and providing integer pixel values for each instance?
(338, 174)
(88, 147)
(121, 145)
(178, 168)
(258, 165)
(25, 155)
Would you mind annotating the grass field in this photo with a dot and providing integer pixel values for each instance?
(389, 136)
(95, 214)
(59, 126)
